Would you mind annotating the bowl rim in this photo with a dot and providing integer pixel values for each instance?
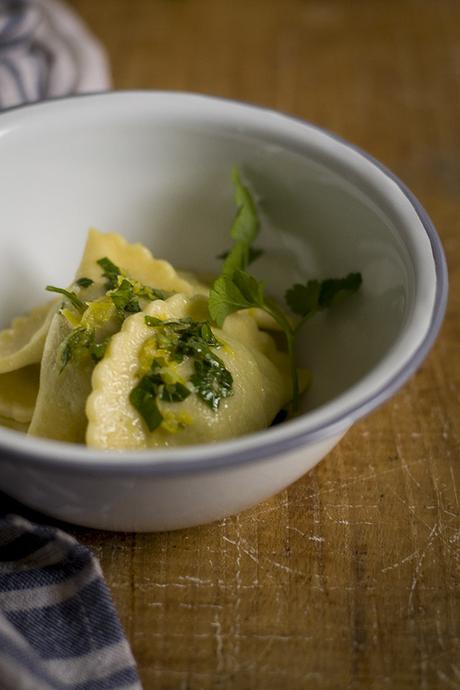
(252, 447)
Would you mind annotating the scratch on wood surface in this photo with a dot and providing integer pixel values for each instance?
(195, 580)
(243, 547)
(216, 624)
(247, 549)
(404, 464)
(310, 537)
(335, 485)
(454, 486)
(398, 564)
(339, 521)
(237, 608)
(439, 629)
(451, 683)
(418, 568)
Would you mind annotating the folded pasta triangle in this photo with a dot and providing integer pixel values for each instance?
(60, 407)
(134, 259)
(22, 343)
(18, 392)
(261, 384)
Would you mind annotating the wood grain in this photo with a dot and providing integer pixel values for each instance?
(351, 577)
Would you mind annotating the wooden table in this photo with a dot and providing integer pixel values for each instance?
(351, 577)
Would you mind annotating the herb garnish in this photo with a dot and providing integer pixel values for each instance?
(84, 282)
(81, 342)
(306, 300)
(123, 293)
(174, 341)
(110, 272)
(236, 289)
(71, 296)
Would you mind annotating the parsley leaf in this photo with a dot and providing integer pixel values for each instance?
(174, 392)
(153, 321)
(124, 298)
(143, 398)
(212, 381)
(124, 292)
(110, 272)
(225, 298)
(306, 300)
(244, 230)
(334, 290)
(242, 291)
(84, 282)
(81, 342)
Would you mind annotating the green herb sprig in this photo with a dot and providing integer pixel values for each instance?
(236, 289)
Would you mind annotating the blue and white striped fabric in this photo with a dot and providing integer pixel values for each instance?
(58, 626)
(46, 51)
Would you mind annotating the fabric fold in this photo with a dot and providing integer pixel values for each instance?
(58, 626)
(46, 51)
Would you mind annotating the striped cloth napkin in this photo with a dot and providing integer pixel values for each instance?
(58, 626)
(47, 51)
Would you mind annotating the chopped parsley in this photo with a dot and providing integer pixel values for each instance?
(110, 272)
(174, 341)
(81, 343)
(124, 291)
(89, 319)
(84, 282)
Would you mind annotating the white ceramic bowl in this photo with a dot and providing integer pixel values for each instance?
(156, 168)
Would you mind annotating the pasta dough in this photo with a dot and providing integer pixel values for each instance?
(135, 259)
(22, 343)
(60, 409)
(18, 391)
(260, 387)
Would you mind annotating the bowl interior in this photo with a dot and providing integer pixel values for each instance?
(156, 168)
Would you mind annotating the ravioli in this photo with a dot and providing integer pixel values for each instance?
(18, 392)
(60, 408)
(135, 260)
(261, 384)
(22, 343)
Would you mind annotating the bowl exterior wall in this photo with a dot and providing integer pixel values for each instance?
(155, 503)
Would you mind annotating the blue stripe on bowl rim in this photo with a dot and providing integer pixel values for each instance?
(46, 453)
